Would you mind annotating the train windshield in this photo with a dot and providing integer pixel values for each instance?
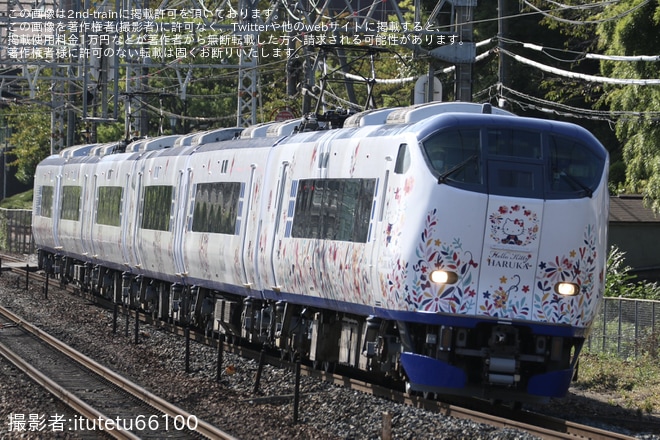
(456, 155)
(514, 162)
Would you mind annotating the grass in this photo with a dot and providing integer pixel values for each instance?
(632, 383)
(18, 201)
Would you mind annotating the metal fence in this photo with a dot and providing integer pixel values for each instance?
(627, 328)
(624, 327)
(16, 231)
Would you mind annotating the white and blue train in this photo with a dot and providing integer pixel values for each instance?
(457, 248)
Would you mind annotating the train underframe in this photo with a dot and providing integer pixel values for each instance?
(493, 360)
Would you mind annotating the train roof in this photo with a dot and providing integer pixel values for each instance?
(150, 144)
(416, 113)
(258, 130)
(368, 117)
(184, 140)
(77, 150)
(159, 142)
(104, 149)
(240, 143)
(135, 145)
(284, 128)
(217, 135)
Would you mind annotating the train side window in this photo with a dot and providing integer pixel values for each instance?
(363, 210)
(348, 211)
(455, 155)
(334, 209)
(156, 207)
(216, 207)
(303, 208)
(402, 159)
(108, 207)
(46, 203)
(71, 202)
(332, 200)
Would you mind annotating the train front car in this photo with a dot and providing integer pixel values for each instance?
(495, 255)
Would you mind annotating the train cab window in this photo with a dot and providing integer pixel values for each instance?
(455, 155)
(574, 168)
(514, 162)
(216, 207)
(513, 179)
(514, 143)
(108, 205)
(334, 209)
(45, 204)
(157, 207)
(71, 202)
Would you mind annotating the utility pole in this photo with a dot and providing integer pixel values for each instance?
(461, 53)
(502, 70)
(247, 66)
(463, 22)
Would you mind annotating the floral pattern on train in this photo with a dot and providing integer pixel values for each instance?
(510, 299)
(510, 295)
(431, 254)
(579, 266)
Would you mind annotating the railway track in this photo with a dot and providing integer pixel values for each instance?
(536, 424)
(107, 402)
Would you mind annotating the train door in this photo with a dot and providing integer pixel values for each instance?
(279, 201)
(57, 201)
(247, 233)
(511, 238)
(131, 203)
(180, 219)
(134, 230)
(125, 220)
(88, 205)
(402, 163)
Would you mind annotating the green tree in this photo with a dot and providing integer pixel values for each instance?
(632, 27)
(31, 138)
(573, 31)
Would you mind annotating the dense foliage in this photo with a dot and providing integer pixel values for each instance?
(620, 282)
(635, 34)
(31, 138)
(533, 59)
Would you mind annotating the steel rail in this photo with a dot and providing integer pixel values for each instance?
(65, 396)
(203, 428)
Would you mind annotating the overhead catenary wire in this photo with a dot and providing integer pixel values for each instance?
(582, 76)
(519, 58)
(558, 108)
(585, 22)
(591, 56)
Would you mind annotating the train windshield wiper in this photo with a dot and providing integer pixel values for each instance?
(443, 177)
(575, 183)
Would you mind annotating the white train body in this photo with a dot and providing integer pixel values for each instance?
(435, 249)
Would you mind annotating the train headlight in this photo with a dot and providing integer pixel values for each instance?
(567, 289)
(443, 277)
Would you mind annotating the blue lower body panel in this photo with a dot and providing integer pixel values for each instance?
(429, 374)
(424, 372)
(552, 384)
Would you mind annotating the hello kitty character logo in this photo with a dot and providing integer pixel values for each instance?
(513, 229)
(514, 225)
